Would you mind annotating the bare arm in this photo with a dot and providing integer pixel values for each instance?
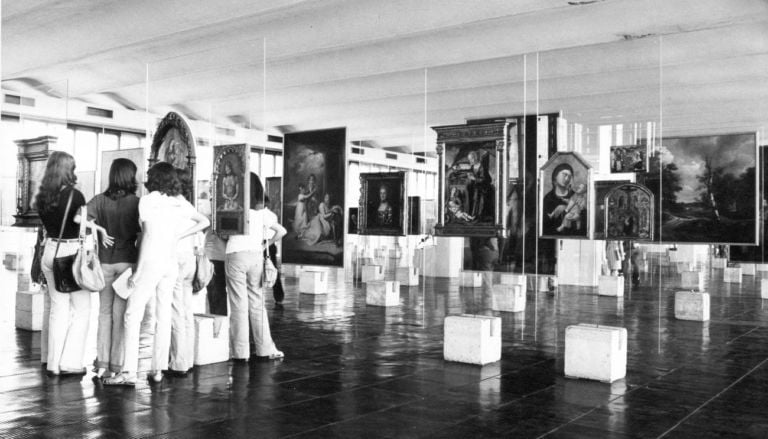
(106, 240)
(279, 233)
(201, 223)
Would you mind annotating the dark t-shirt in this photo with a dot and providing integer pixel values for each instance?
(52, 218)
(121, 219)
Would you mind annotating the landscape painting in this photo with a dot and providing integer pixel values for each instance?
(755, 253)
(708, 189)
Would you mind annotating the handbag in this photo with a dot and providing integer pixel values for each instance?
(63, 276)
(36, 269)
(87, 267)
(203, 267)
(270, 272)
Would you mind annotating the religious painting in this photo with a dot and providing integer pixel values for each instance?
(352, 221)
(273, 188)
(470, 159)
(707, 186)
(629, 158)
(231, 190)
(174, 143)
(414, 215)
(314, 167)
(136, 155)
(601, 189)
(564, 195)
(629, 213)
(382, 204)
(32, 160)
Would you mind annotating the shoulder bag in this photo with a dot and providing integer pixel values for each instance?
(63, 276)
(87, 267)
(203, 266)
(270, 271)
(36, 270)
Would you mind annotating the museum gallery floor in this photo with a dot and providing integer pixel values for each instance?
(353, 370)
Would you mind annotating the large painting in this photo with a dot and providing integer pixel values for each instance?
(313, 197)
(629, 213)
(564, 197)
(174, 143)
(756, 253)
(470, 158)
(273, 187)
(231, 189)
(629, 158)
(708, 189)
(382, 204)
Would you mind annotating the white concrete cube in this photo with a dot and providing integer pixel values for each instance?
(673, 256)
(692, 305)
(472, 339)
(390, 265)
(664, 261)
(719, 262)
(595, 352)
(683, 267)
(471, 279)
(407, 276)
(211, 339)
(382, 293)
(747, 269)
(23, 282)
(513, 279)
(732, 275)
(372, 273)
(395, 253)
(692, 280)
(761, 267)
(764, 288)
(508, 298)
(611, 286)
(29, 310)
(313, 282)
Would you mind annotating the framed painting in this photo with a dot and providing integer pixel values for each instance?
(273, 188)
(707, 189)
(314, 165)
(629, 213)
(414, 215)
(383, 209)
(756, 253)
(472, 178)
(231, 189)
(601, 189)
(564, 195)
(174, 143)
(352, 221)
(629, 158)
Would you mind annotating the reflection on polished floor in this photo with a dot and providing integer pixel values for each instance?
(353, 370)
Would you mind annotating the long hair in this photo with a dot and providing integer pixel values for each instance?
(185, 178)
(122, 179)
(257, 191)
(162, 177)
(59, 173)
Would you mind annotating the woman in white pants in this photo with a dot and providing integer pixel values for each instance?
(59, 203)
(162, 215)
(244, 268)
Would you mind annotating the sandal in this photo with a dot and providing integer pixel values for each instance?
(121, 379)
(155, 377)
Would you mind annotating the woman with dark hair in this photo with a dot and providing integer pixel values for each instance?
(59, 203)
(117, 210)
(164, 220)
(244, 268)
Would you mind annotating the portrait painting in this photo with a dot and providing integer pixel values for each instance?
(470, 158)
(313, 197)
(382, 204)
(629, 211)
(707, 186)
(352, 221)
(231, 189)
(273, 188)
(629, 158)
(756, 253)
(564, 195)
(174, 143)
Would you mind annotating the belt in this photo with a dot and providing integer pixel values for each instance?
(65, 240)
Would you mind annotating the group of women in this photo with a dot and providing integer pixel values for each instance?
(155, 236)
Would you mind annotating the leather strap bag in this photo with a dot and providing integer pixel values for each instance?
(63, 277)
(87, 267)
(203, 266)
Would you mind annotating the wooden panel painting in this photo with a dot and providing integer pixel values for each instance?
(231, 189)
(708, 189)
(313, 197)
(629, 158)
(174, 143)
(629, 213)
(564, 197)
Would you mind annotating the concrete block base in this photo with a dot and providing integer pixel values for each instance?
(732, 275)
(692, 280)
(472, 279)
(382, 293)
(29, 310)
(372, 273)
(472, 339)
(595, 352)
(508, 298)
(407, 276)
(611, 286)
(692, 305)
(211, 339)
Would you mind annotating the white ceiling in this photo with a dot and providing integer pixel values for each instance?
(387, 69)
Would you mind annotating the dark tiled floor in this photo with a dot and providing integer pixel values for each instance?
(353, 370)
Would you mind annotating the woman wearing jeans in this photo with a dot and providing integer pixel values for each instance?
(162, 216)
(244, 267)
(117, 210)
